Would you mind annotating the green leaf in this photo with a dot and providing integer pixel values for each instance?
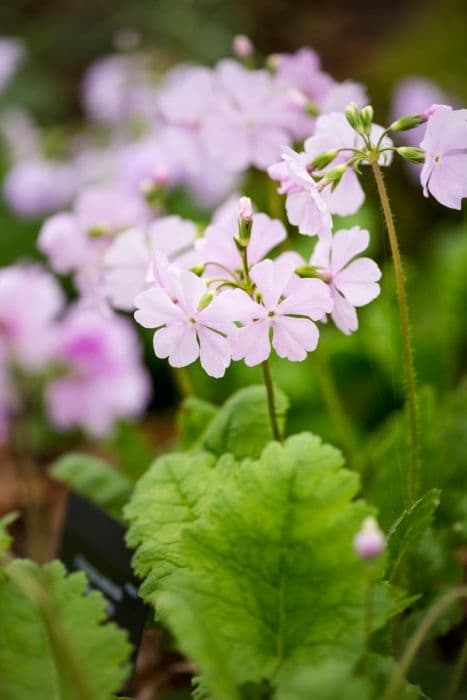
(165, 501)
(53, 640)
(242, 426)
(193, 418)
(269, 570)
(94, 479)
(326, 681)
(5, 537)
(408, 530)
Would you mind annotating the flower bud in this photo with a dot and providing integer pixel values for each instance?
(334, 176)
(366, 116)
(323, 159)
(205, 300)
(352, 114)
(245, 208)
(406, 123)
(245, 221)
(198, 269)
(242, 46)
(431, 110)
(306, 271)
(98, 230)
(412, 154)
(370, 541)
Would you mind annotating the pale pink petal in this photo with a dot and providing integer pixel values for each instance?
(271, 278)
(346, 244)
(348, 196)
(310, 297)
(343, 314)
(251, 343)
(358, 281)
(237, 306)
(177, 342)
(154, 309)
(214, 352)
(293, 337)
(266, 234)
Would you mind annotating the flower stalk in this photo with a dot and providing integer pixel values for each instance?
(414, 470)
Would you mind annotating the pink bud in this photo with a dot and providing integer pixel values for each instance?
(161, 177)
(245, 209)
(242, 46)
(370, 541)
(432, 109)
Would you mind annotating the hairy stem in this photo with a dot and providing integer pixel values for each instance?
(336, 409)
(271, 402)
(418, 637)
(414, 471)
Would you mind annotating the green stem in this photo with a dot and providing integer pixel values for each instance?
(414, 471)
(417, 639)
(369, 611)
(458, 673)
(271, 402)
(182, 381)
(336, 409)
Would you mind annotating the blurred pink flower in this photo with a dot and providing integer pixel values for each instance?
(30, 301)
(37, 186)
(247, 122)
(352, 282)
(64, 243)
(413, 95)
(103, 376)
(288, 307)
(11, 55)
(444, 173)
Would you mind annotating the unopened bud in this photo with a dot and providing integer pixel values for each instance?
(306, 271)
(366, 116)
(431, 110)
(245, 221)
(98, 230)
(352, 114)
(406, 123)
(323, 159)
(370, 541)
(245, 208)
(198, 269)
(242, 46)
(334, 176)
(205, 300)
(412, 154)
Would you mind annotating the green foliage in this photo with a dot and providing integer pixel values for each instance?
(259, 552)
(193, 419)
(242, 426)
(5, 538)
(325, 681)
(95, 479)
(130, 449)
(53, 643)
(407, 531)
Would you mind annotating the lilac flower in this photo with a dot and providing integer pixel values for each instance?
(64, 243)
(370, 541)
(186, 328)
(444, 173)
(286, 309)
(37, 186)
(30, 301)
(148, 161)
(11, 55)
(246, 124)
(183, 102)
(212, 184)
(218, 245)
(106, 210)
(413, 95)
(352, 282)
(305, 205)
(334, 132)
(103, 377)
(127, 260)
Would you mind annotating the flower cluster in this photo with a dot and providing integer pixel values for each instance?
(87, 368)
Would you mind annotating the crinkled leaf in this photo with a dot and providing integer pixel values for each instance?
(166, 500)
(326, 681)
(193, 419)
(50, 625)
(269, 568)
(409, 529)
(242, 425)
(95, 479)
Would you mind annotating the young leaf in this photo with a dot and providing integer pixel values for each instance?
(409, 529)
(269, 569)
(242, 426)
(166, 500)
(95, 479)
(53, 643)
